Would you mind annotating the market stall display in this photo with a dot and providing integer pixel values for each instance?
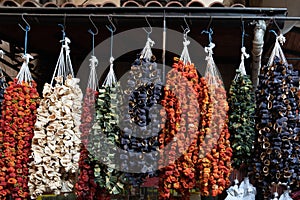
(56, 142)
(276, 152)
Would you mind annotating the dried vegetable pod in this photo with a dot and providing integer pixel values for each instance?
(276, 152)
(56, 143)
(19, 109)
(140, 124)
(241, 116)
(216, 165)
(180, 176)
(86, 188)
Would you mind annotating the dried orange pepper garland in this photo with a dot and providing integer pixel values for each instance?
(180, 176)
(16, 131)
(215, 167)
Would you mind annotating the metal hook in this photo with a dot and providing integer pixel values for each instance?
(277, 26)
(150, 31)
(90, 30)
(27, 24)
(210, 21)
(187, 29)
(112, 27)
(243, 31)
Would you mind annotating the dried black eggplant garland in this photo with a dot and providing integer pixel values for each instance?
(276, 152)
(241, 119)
(143, 91)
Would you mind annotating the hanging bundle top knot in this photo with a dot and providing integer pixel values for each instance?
(209, 49)
(93, 79)
(277, 51)
(93, 62)
(26, 58)
(244, 53)
(185, 57)
(281, 39)
(66, 46)
(111, 60)
(24, 75)
(147, 52)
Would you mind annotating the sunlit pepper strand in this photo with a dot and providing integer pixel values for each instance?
(16, 131)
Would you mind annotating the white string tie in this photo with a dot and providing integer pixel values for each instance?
(277, 51)
(242, 64)
(281, 39)
(64, 65)
(111, 76)
(185, 57)
(93, 79)
(24, 75)
(147, 52)
(209, 49)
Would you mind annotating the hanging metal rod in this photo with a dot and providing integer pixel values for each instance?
(170, 12)
(215, 17)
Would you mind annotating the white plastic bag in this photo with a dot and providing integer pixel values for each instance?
(249, 189)
(285, 196)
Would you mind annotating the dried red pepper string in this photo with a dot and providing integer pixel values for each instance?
(86, 188)
(16, 131)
